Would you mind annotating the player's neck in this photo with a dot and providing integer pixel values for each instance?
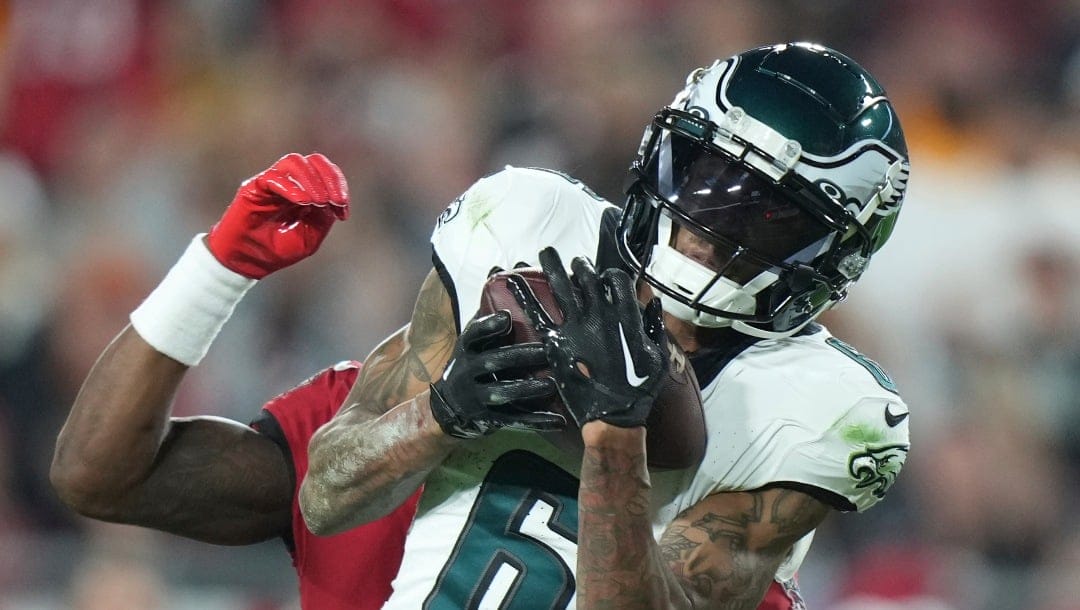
(684, 333)
(696, 339)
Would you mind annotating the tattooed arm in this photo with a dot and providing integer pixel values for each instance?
(121, 458)
(384, 441)
(720, 553)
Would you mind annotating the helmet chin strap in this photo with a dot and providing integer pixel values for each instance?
(761, 333)
(688, 314)
(692, 280)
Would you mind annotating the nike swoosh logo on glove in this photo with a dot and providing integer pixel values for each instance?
(631, 374)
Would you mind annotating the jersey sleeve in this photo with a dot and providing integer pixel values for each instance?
(858, 457)
(834, 431)
(299, 412)
(503, 221)
(291, 418)
(353, 569)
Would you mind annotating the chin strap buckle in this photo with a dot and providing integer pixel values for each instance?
(852, 266)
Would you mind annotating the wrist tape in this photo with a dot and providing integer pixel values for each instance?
(184, 314)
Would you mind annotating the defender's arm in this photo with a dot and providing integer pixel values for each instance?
(121, 458)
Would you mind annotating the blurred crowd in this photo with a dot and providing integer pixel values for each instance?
(128, 124)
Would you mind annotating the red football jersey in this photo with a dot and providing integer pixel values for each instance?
(783, 596)
(352, 570)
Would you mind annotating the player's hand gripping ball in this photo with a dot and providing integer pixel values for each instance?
(675, 436)
(280, 216)
(486, 379)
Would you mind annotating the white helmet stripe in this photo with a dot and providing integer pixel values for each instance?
(771, 152)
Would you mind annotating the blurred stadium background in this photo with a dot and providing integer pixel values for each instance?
(128, 124)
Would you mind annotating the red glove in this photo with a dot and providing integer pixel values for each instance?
(280, 216)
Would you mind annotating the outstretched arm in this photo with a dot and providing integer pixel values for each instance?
(120, 457)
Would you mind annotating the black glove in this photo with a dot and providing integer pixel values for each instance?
(470, 401)
(606, 360)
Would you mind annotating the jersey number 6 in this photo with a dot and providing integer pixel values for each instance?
(516, 549)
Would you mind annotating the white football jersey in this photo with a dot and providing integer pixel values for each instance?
(497, 522)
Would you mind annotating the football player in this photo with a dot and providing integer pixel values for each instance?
(758, 197)
(121, 458)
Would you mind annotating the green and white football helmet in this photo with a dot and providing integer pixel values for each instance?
(779, 172)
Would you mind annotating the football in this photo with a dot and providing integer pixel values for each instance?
(675, 427)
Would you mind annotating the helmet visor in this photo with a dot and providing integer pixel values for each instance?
(726, 199)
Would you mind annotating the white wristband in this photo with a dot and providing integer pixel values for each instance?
(184, 314)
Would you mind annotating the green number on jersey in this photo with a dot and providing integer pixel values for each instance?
(874, 368)
(501, 558)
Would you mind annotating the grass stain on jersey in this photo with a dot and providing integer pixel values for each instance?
(478, 211)
(862, 434)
